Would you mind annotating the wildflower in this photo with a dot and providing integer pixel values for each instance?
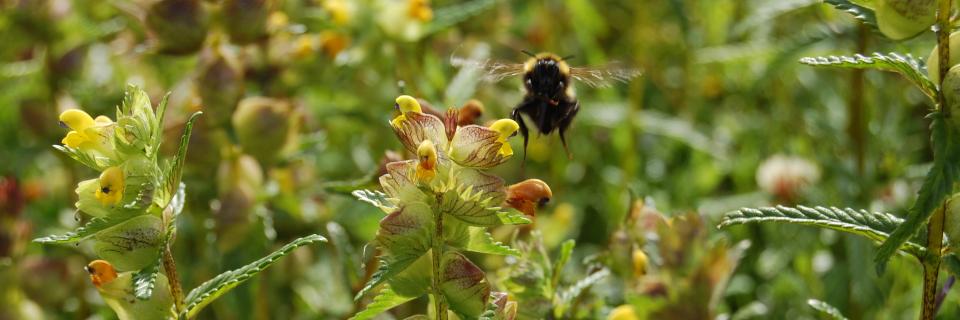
(420, 10)
(405, 104)
(340, 11)
(111, 186)
(527, 195)
(87, 134)
(640, 261)
(785, 177)
(427, 161)
(115, 287)
(332, 43)
(506, 128)
(623, 312)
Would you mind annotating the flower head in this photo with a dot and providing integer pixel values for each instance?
(87, 133)
(527, 195)
(420, 10)
(405, 104)
(506, 128)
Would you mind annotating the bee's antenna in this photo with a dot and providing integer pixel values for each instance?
(528, 53)
(568, 57)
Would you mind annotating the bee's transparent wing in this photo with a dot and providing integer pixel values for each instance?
(601, 77)
(493, 71)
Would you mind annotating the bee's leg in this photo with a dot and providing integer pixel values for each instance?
(515, 115)
(564, 125)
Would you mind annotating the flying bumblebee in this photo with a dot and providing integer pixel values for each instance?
(549, 101)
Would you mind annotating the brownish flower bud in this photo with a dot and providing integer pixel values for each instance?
(246, 20)
(180, 26)
(263, 126)
(220, 85)
(527, 195)
(470, 112)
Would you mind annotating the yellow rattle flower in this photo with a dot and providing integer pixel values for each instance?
(405, 104)
(506, 128)
(84, 129)
(111, 186)
(427, 164)
(420, 10)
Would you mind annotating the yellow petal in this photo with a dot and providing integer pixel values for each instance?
(103, 120)
(427, 161)
(506, 128)
(73, 139)
(76, 119)
(111, 186)
(408, 104)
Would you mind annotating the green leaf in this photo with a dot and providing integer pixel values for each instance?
(450, 15)
(97, 164)
(469, 206)
(145, 279)
(92, 227)
(512, 217)
(952, 264)
(385, 300)
(937, 186)
(481, 241)
(859, 12)
(875, 226)
(376, 198)
(906, 65)
(464, 285)
(200, 296)
(826, 309)
(566, 250)
(176, 168)
(566, 296)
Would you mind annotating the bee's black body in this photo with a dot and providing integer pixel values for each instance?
(549, 101)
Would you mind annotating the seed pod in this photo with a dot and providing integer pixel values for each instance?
(131, 245)
(220, 85)
(180, 26)
(262, 126)
(933, 60)
(115, 290)
(246, 20)
(901, 19)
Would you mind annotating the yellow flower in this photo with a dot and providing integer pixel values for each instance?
(639, 262)
(623, 312)
(339, 11)
(427, 164)
(420, 10)
(111, 186)
(86, 133)
(405, 104)
(506, 128)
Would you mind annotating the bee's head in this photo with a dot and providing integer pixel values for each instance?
(547, 77)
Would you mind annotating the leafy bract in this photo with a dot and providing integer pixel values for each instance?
(907, 66)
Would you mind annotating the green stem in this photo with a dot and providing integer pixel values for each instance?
(439, 301)
(931, 263)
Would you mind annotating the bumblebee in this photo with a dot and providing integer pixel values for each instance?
(550, 102)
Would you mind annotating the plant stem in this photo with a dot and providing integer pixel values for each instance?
(931, 263)
(170, 266)
(439, 301)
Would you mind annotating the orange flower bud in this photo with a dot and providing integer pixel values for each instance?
(527, 195)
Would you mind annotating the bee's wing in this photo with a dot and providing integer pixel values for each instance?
(601, 77)
(493, 71)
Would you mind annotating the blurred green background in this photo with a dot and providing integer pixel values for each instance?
(723, 117)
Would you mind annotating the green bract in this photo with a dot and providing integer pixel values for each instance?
(438, 206)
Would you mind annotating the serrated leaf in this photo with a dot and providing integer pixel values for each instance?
(567, 295)
(482, 241)
(566, 250)
(176, 168)
(385, 300)
(906, 65)
(204, 294)
(937, 186)
(468, 206)
(97, 164)
(512, 217)
(376, 198)
(826, 309)
(145, 280)
(92, 227)
(463, 285)
(863, 14)
(875, 226)
(389, 267)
